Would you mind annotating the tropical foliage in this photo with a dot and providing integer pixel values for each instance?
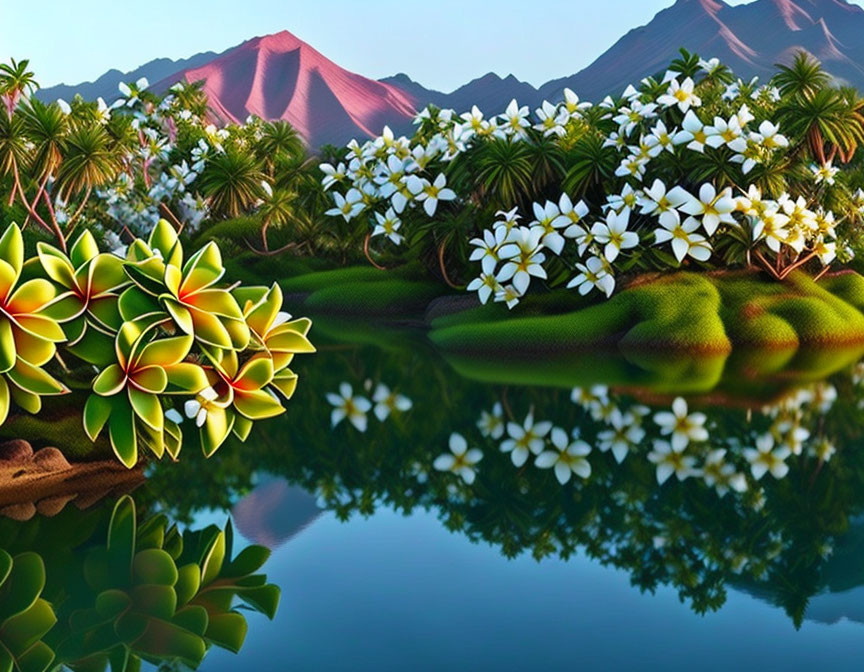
(165, 335)
(690, 168)
(144, 591)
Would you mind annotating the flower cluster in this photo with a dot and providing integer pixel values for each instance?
(355, 407)
(158, 327)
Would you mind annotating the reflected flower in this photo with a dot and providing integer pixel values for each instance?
(823, 450)
(525, 439)
(720, 475)
(492, 424)
(387, 401)
(349, 406)
(567, 459)
(683, 427)
(671, 461)
(765, 458)
(461, 461)
(624, 435)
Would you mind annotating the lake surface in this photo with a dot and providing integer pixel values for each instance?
(397, 545)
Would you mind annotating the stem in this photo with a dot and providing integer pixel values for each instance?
(70, 227)
(369, 256)
(54, 225)
(822, 273)
(797, 264)
(441, 249)
(767, 264)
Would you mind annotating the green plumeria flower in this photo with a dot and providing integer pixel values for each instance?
(27, 335)
(275, 332)
(127, 393)
(87, 305)
(185, 291)
(237, 396)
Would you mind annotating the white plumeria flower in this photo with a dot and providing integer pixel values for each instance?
(198, 407)
(628, 118)
(552, 120)
(332, 175)
(713, 208)
(430, 194)
(616, 140)
(65, 108)
(744, 115)
(571, 216)
(508, 294)
(826, 252)
(486, 285)
(492, 424)
(692, 133)
(387, 401)
(349, 406)
(613, 234)
(515, 119)
(680, 94)
(824, 173)
(632, 166)
(771, 227)
(720, 475)
(792, 436)
(626, 433)
(684, 239)
(475, 120)
(670, 461)
(594, 273)
(710, 66)
(567, 459)
(486, 248)
(525, 439)
(656, 201)
(662, 138)
(508, 219)
(460, 460)
(348, 206)
(524, 258)
(765, 458)
(727, 133)
(682, 427)
(548, 217)
(388, 225)
(572, 105)
(769, 136)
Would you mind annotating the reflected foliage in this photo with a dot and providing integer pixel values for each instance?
(102, 589)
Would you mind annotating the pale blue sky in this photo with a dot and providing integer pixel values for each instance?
(441, 43)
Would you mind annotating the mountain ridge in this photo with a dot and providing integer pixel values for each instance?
(279, 76)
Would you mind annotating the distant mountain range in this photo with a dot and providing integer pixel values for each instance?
(281, 77)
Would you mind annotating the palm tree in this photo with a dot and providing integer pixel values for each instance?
(231, 181)
(279, 140)
(191, 97)
(46, 127)
(89, 163)
(824, 120)
(804, 78)
(504, 173)
(277, 210)
(15, 79)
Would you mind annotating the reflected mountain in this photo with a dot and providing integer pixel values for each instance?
(274, 512)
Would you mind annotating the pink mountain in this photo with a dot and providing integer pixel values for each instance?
(281, 77)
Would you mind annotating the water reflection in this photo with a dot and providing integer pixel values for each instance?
(700, 474)
(753, 490)
(110, 587)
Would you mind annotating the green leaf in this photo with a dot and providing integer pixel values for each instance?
(121, 537)
(23, 586)
(154, 566)
(188, 583)
(228, 631)
(110, 381)
(35, 380)
(124, 441)
(155, 600)
(193, 618)
(248, 561)
(4, 400)
(83, 249)
(7, 345)
(147, 407)
(12, 247)
(265, 599)
(213, 559)
(96, 412)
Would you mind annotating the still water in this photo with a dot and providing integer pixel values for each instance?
(474, 512)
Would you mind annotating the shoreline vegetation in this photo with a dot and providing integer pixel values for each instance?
(694, 214)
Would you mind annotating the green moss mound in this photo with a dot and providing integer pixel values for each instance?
(704, 313)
